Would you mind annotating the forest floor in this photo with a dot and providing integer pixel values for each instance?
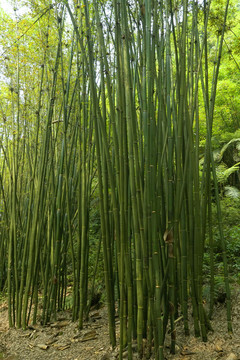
(63, 340)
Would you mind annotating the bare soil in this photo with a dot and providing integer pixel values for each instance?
(63, 340)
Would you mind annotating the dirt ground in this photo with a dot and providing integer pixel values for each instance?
(63, 340)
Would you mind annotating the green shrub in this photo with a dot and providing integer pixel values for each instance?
(231, 230)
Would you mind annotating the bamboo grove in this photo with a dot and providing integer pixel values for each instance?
(115, 120)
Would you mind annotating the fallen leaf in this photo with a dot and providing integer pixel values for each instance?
(218, 348)
(90, 335)
(187, 352)
(42, 346)
(60, 324)
(25, 335)
(96, 316)
(97, 326)
(63, 347)
(51, 341)
(32, 334)
(232, 356)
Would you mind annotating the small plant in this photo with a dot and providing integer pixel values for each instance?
(231, 229)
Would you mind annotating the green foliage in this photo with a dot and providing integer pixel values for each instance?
(231, 151)
(68, 302)
(227, 107)
(230, 211)
(227, 168)
(231, 192)
(219, 290)
(231, 227)
(223, 172)
(224, 137)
